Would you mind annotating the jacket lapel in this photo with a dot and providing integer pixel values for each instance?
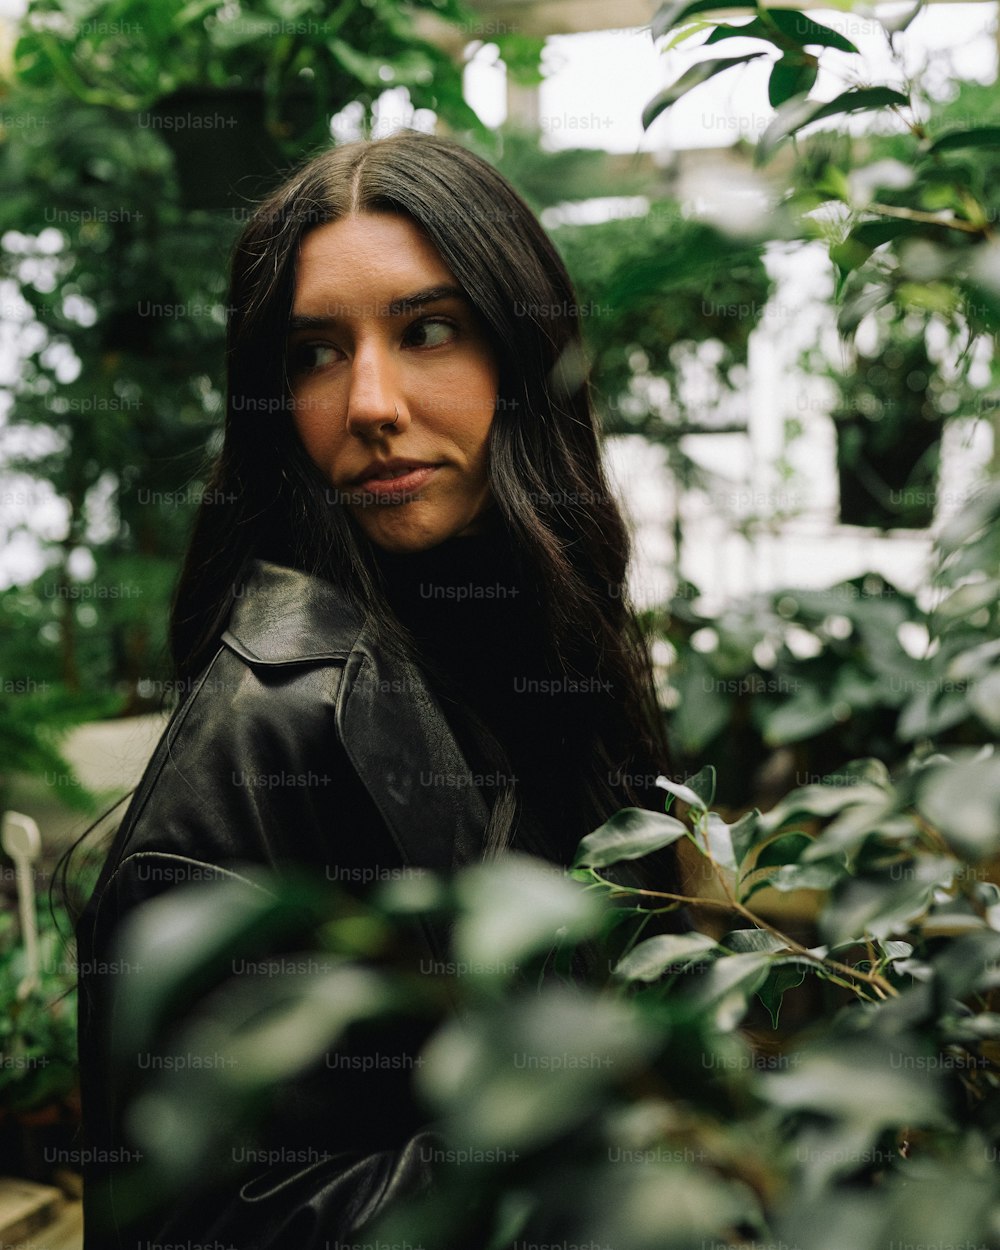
(405, 753)
(391, 727)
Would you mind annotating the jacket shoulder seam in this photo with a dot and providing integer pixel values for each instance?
(332, 655)
(173, 856)
(168, 855)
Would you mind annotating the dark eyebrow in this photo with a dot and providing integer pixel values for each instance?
(395, 308)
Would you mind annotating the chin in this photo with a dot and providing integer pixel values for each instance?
(403, 538)
(409, 528)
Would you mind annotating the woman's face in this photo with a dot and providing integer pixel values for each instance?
(380, 326)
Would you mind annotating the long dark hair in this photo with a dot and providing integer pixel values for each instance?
(265, 498)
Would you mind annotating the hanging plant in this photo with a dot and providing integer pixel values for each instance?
(889, 426)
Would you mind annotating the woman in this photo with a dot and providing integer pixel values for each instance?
(402, 626)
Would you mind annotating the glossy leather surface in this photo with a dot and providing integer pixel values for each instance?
(299, 745)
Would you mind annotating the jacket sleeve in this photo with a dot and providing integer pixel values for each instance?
(249, 771)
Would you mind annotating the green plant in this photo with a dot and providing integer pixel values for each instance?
(37, 1029)
(795, 683)
(873, 213)
(34, 715)
(629, 1109)
(654, 291)
(123, 54)
(888, 434)
(119, 281)
(907, 211)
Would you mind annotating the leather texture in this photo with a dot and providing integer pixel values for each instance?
(299, 745)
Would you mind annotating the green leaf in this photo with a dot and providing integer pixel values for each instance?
(694, 77)
(984, 699)
(980, 511)
(969, 598)
(833, 182)
(805, 877)
(754, 29)
(743, 834)
(683, 792)
(366, 69)
(977, 137)
(790, 877)
(515, 907)
(795, 113)
(703, 784)
(859, 306)
(279, 1027)
(183, 939)
(677, 11)
(866, 1083)
(807, 33)
(728, 985)
(962, 800)
(629, 834)
(686, 32)
(873, 234)
(822, 801)
(782, 850)
(744, 941)
(792, 76)
(854, 825)
(879, 906)
(518, 1075)
(787, 977)
(668, 952)
(720, 843)
(863, 239)
(858, 100)
(967, 965)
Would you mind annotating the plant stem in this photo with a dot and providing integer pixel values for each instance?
(915, 214)
(878, 982)
(873, 979)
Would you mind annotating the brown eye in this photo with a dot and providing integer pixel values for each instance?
(306, 357)
(431, 332)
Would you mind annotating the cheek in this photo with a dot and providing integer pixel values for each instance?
(471, 428)
(477, 407)
(314, 429)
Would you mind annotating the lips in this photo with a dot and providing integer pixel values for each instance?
(401, 479)
(394, 466)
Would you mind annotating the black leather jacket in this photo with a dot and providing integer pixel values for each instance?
(299, 745)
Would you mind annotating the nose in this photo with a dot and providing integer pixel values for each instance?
(375, 395)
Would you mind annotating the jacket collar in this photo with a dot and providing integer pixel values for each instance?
(285, 616)
(391, 727)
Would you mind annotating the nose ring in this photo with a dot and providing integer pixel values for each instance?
(396, 410)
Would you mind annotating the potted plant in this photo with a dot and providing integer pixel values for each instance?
(236, 96)
(889, 420)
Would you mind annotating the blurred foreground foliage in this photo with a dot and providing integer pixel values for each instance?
(664, 1098)
(767, 1075)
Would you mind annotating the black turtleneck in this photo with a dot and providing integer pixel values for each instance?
(473, 613)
